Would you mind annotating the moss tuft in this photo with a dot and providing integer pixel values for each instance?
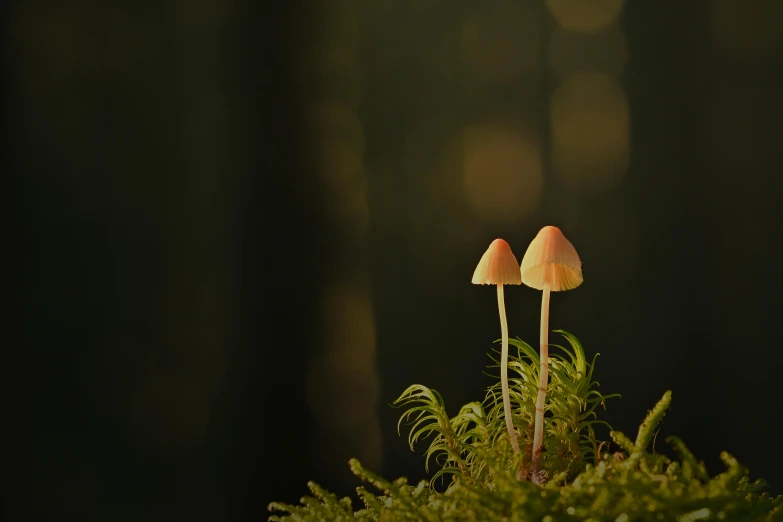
(584, 479)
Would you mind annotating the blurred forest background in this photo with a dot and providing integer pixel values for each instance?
(240, 229)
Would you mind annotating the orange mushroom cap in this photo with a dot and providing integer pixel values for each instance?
(497, 266)
(550, 247)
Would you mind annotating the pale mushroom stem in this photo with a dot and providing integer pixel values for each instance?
(504, 371)
(538, 434)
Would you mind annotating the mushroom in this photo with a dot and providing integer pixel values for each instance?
(550, 264)
(498, 266)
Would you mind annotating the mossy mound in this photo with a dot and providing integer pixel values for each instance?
(488, 482)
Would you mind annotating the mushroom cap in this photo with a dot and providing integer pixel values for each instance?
(497, 266)
(550, 247)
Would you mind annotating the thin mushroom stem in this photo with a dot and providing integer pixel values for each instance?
(504, 371)
(538, 434)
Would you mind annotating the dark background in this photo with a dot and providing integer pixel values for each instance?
(239, 230)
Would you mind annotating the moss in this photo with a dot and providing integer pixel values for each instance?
(584, 480)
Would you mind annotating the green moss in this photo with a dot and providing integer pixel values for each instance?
(485, 481)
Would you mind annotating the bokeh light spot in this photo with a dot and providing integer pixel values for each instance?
(584, 15)
(502, 173)
(590, 125)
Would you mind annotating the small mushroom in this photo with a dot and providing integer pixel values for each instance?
(498, 266)
(550, 264)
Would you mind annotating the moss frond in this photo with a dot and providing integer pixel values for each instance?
(473, 449)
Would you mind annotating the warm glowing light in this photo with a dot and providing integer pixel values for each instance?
(500, 41)
(590, 132)
(584, 15)
(603, 52)
(502, 173)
